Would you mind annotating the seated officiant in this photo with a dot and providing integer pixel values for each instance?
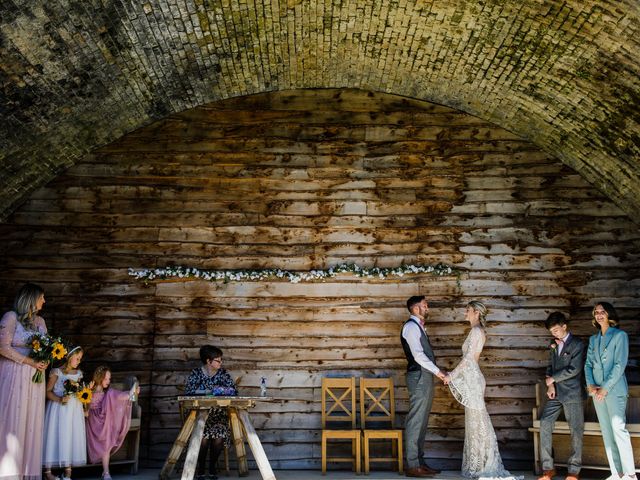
(212, 378)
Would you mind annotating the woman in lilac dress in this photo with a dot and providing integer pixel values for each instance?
(108, 419)
(21, 400)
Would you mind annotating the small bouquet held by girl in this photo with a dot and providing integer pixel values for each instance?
(80, 390)
(45, 348)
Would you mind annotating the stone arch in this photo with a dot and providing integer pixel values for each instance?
(564, 75)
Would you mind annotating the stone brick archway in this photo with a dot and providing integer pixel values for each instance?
(79, 75)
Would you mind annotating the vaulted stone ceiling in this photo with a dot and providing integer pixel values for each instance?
(75, 75)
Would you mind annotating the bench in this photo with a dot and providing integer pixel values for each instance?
(593, 452)
(128, 453)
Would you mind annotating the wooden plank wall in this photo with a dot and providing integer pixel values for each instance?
(309, 179)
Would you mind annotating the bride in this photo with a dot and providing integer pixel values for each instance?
(480, 457)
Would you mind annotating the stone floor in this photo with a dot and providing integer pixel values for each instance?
(152, 474)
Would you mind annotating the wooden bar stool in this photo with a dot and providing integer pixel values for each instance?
(339, 407)
(377, 404)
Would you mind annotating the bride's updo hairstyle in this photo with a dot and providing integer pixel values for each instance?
(481, 309)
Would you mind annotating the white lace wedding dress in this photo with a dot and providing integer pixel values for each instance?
(480, 457)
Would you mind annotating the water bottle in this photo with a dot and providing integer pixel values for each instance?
(263, 387)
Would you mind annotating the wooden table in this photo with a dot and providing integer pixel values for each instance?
(193, 429)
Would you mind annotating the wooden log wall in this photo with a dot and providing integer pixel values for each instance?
(310, 179)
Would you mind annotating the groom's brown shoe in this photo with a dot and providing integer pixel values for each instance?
(431, 471)
(547, 475)
(417, 472)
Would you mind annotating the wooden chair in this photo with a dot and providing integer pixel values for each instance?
(377, 404)
(339, 407)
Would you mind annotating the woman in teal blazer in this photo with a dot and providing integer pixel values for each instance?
(604, 370)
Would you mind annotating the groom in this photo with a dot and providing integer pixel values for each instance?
(565, 390)
(421, 368)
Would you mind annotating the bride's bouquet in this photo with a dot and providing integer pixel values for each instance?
(45, 348)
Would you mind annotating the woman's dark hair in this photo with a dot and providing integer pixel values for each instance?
(555, 318)
(209, 352)
(612, 315)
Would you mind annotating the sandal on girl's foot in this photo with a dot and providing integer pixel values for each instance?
(106, 476)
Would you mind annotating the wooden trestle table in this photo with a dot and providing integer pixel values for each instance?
(193, 429)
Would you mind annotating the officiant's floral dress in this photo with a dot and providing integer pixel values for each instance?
(480, 457)
(217, 425)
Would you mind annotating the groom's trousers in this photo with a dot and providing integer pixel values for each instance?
(574, 414)
(420, 386)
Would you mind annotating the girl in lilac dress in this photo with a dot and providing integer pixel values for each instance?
(21, 400)
(108, 419)
(206, 379)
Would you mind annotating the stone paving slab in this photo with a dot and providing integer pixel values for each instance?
(152, 474)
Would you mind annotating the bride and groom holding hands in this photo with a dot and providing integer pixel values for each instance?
(481, 457)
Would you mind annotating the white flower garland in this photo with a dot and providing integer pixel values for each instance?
(146, 274)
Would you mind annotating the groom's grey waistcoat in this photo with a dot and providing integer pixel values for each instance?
(567, 369)
(412, 365)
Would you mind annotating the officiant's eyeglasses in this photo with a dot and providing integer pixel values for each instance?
(219, 360)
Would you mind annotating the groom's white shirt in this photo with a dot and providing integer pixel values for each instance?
(412, 333)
